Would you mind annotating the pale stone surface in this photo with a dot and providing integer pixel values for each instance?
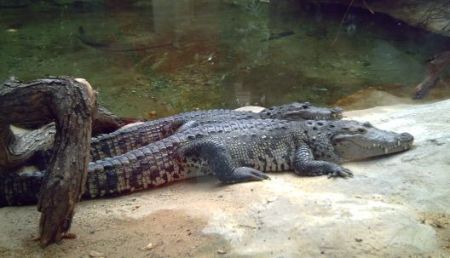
(397, 206)
(429, 15)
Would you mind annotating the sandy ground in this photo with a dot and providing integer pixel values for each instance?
(396, 206)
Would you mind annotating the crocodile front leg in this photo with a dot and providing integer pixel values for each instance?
(220, 162)
(305, 165)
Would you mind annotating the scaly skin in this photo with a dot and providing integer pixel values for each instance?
(128, 139)
(234, 152)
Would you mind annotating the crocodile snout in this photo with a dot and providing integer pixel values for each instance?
(406, 137)
(337, 112)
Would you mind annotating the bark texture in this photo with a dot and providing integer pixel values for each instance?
(18, 150)
(434, 68)
(70, 103)
(429, 15)
(107, 122)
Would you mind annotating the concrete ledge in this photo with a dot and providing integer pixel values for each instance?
(396, 206)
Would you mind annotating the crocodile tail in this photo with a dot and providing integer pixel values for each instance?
(20, 189)
(127, 139)
(136, 170)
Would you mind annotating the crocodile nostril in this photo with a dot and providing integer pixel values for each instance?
(338, 110)
(406, 137)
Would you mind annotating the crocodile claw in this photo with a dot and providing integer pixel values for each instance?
(244, 174)
(251, 173)
(340, 172)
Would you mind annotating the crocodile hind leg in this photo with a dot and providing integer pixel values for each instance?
(20, 189)
(220, 162)
(305, 165)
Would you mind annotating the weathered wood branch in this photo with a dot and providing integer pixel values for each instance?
(16, 151)
(434, 68)
(107, 122)
(433, 15)
(70, 103)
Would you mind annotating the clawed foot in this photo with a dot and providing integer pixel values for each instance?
(340, 172)
(244, 174)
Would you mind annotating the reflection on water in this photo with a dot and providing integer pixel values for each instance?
(170, 56)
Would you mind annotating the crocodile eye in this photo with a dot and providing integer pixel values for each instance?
(305, 106)
(361, 130)
(367, 124)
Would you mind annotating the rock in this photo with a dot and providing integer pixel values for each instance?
(96, 254)
(370, 97)
(381, 205)
(220, 251)
(152, 114)
(149, 246)
(255, 109)
(429, 15)
(396, 206)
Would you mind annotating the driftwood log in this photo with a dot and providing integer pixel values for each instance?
(434, 68)
(18, 150)
(70, 104)
(107, 122)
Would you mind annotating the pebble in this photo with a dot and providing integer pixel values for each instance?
(149, 247)
(152, 114)
(271, 199)
(96, 254)
(220, 251)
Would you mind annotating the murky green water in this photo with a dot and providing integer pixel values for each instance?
(170, 56)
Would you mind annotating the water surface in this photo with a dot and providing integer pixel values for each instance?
(169, 56)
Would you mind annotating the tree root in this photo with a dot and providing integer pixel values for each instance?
(70, 103)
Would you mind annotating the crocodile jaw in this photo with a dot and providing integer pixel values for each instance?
(371, 144)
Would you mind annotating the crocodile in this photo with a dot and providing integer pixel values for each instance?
(234, 151)
(40, 141)
(124, 140)
(127, 139)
